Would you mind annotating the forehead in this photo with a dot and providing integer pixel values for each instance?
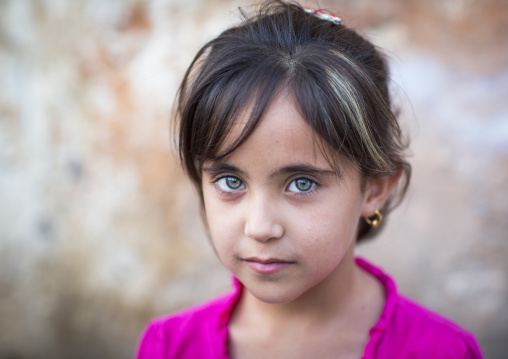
(281, 108)
(229, 130)
(281, 137)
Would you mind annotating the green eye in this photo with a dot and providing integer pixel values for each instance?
(301, 185)
(230, 184)
(233, 182)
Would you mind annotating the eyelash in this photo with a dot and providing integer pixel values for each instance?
(220, 190)
(314, 185)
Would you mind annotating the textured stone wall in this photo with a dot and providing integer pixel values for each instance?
(100, 230)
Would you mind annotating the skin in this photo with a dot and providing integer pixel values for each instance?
(275, 199)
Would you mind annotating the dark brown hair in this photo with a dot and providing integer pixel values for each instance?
(337, 79)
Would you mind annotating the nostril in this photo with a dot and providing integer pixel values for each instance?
(264, 232)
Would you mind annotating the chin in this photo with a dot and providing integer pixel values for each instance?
(273, 299)
(273, 293)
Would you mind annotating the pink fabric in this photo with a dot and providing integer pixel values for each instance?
(404, 330)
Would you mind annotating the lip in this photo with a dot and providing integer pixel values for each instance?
(268, 265)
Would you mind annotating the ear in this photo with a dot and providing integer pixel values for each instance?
(377, 191)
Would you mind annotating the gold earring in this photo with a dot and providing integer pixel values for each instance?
(375, 221)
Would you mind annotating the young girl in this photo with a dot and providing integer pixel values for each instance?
(286, 129)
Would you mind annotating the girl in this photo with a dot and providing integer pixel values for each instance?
(286, 129)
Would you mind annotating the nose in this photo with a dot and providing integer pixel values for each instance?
(263, 220)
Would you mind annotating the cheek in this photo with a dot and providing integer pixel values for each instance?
(330, 229)
(325, 247)
(220, 224)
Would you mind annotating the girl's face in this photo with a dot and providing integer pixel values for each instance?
(279, 217)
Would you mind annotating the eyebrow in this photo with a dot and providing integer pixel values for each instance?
(216, 167)
(303, 168)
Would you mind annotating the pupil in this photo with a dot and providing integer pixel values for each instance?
(303, 184)
(233, 183)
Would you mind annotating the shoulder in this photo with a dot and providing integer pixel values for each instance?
(416, 329)
(175, 335)
(408, 330)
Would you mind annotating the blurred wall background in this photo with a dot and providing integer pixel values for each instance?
(100, 230)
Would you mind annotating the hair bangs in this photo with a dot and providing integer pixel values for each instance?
(239, 96)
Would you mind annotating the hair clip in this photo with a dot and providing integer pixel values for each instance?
(323, 15)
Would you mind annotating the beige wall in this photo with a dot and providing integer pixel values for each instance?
(99, 229)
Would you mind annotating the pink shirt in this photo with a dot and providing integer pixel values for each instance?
(404, 330)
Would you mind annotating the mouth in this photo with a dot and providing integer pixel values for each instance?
(268, 265)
